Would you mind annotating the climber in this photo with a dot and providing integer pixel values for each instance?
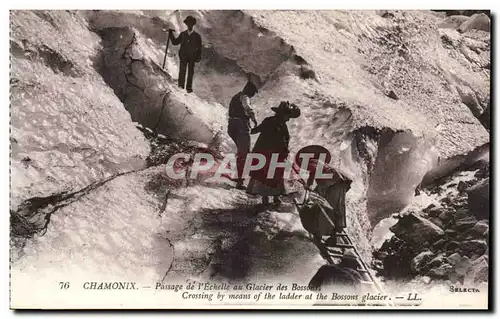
(343, 276)
(240, 114)
(331, 184)
(189, 53)
(273, 139)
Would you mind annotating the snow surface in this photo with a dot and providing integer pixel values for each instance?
(75, 130)
(69, 127)
(205, 233)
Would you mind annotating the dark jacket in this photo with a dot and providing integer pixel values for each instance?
(190, 46)
(274, 136)
(237, 110)
(273, 139)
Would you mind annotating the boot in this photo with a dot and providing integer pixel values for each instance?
(239, 184)
(265, 200)
(276, 201)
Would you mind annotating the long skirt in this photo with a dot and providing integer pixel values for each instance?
(255, 187)
(260, 184)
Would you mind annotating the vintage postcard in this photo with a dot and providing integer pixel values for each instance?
(239, 159)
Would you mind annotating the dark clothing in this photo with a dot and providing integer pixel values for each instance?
(240, 113)
(190, 46)
(236, 110)
(331, 277)
(335, 195)
(333, 190)
(274, 136)
(239, 132)
(183, 65)
(312, 218)
(273, 139)
(189, 53)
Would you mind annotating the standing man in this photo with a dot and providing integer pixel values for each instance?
(240, 114)
(189, 53)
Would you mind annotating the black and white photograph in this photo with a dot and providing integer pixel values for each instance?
(250, 159)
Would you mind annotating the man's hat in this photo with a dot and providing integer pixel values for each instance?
(249, 86)
(254, 79)
(287, 108)
(190, 20)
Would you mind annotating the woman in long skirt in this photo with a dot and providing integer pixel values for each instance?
(273, 139)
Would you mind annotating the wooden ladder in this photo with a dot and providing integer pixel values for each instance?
(328, 252)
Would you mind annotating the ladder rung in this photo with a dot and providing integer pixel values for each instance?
(326, 250)
(341, 246)
(335, 255)
(332, 248)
